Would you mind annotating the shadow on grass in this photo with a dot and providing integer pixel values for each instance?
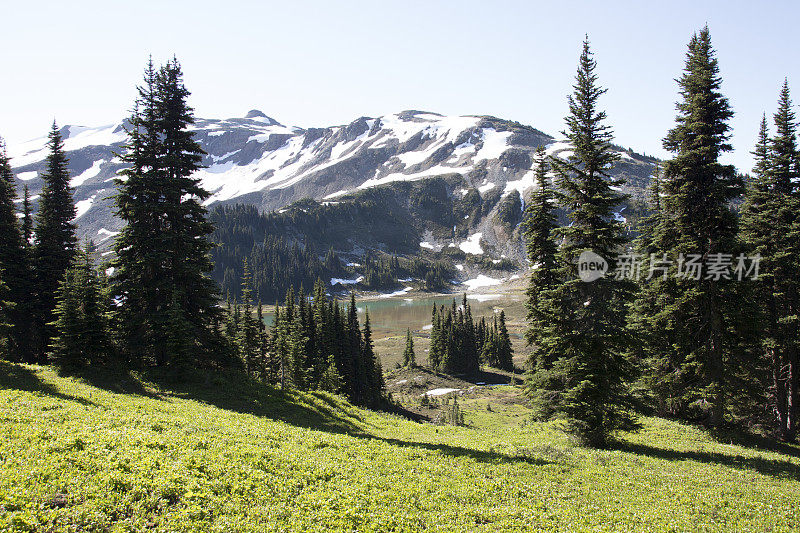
(235, 391)
(776, 468)
(112, 377)
(756, 442)
(23, 378)
(480, 456)
(491, 376)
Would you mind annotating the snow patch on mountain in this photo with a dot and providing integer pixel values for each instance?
(472, 245)
(87, 174)
(481, 281)
(82, 207)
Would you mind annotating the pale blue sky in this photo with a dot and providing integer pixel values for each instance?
(319, 63)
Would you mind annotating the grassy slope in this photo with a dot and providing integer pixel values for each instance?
(76, 456)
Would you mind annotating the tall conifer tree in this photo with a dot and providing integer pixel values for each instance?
(55, 238)
(540, 224)
(687, 334)
(584, 322)
(14, 266)
(771, 228)
(163, 252)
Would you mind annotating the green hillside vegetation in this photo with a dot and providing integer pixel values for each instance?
(200, 457)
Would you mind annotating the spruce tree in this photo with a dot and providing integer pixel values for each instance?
(688, 334)
(505, 354)
(771, 229)
(331, 380)
(15, 268)
(80, 327)
(409, 359)
(353, 369)
(371, 376)
(539, 227)
(27, 217)
(298, 373)
(163, 252)
(584, 326)
(55, 238)
(247, 336)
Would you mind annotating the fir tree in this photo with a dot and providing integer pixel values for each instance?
(371, 375)
(55, 238)
(80, 327)
(584, 328)
(771, 228)
(647, 227)
(688, 331)
(15, 268)
(297, 370)
(352, 359)
(302, 332)
(331, 380)
(539, 227)
(247, 339)
(454, 348)
(27, 217)
(163, 252)
(409, 359)
(434, 356)
(505, 354)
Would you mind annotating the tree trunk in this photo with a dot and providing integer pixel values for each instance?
(780, 392)
(793, 402)
(717, 371)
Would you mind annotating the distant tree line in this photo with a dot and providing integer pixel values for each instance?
(459, 345)
(280, 249)
(315, 343)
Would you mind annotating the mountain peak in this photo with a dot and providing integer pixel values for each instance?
(255, 113)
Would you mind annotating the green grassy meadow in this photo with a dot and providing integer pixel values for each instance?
(229, 455)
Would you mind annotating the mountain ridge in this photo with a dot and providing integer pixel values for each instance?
(258, 161)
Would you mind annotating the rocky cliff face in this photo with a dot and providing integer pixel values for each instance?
(484, 162)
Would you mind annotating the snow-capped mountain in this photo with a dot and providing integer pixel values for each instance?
(256, 160)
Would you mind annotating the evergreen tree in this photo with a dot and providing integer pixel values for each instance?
(454, 348)
(5, 324)
(302, 332)
(163, 252)
(434, 355)
(331, 380)
(688, 332)
(771, 228)
(584, 326)
(27, 217)
(505, 354)
(15, 268)
(80, 327)
(409, 359)
(297, 374)
(353, 368)
(647, 227)
(55, 238)
(247, 340)
(371, 375)
(539, 227)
